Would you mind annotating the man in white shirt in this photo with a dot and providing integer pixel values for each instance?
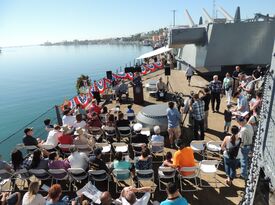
(128, 196)
(78, 159)
(53, 135)
(161, 89)
(68, 118)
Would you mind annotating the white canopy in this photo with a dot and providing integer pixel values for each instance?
(155, 52)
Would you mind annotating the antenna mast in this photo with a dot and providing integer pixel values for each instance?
(214, 9)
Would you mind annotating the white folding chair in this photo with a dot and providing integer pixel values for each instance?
(99, 176)
(122, 176)
(125, 132)
(209, 167)
(145, 175)
(157, 149)
(214, 147)
(165, 174)
(58, 174)
(47, 147)
(84, 148)
(121, 147)
(193, 174)
(198, 146)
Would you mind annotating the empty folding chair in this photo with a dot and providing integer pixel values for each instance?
(190, 173)
(66, 148)
(110, 133)
(214, 148)
(5, 181)
(166, 174)
(198, 146)
(58, 174)
(40, 174)
(122, 176)
(146, 175)
(125, 133)
(121, 147)
(137, 148)
(77, 174)
(157, 149)
(98, 176)
(209, 167)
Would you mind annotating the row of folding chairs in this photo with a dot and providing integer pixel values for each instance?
(207, 149)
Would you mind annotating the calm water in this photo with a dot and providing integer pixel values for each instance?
(33, 79)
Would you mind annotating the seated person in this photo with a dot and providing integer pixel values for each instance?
(78, 159)
(66, 137)
(48, 125)
(54, 196)
(122, 89)
(5, 166)
(174, 196)
(168, 162)
(95, 107)
(144, 162)
(121, 122)
(96, 162)
(157, 138)
(68, 118)
(79, 122)
(38, 161)
(184, 157)
(161, 89)
(10, 198)
(53, 135)
(130, 111)
(138, 137)
(18, 162)
(128, 195)
(93, 120)
(28, 139)
(56, 162)
(120, 163)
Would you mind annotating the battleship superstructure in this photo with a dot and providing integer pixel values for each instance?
(223, 43)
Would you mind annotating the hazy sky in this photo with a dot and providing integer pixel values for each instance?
(24, 22)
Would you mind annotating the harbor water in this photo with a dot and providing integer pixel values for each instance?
(34, 79)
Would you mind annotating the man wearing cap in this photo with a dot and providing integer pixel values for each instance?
(183, 157)
(246, 134)
(78, 159)
(96, 162)
(174, 118)
(138, 137)
(28, 139)
(53, 135)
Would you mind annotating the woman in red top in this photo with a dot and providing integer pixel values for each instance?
(65, 138)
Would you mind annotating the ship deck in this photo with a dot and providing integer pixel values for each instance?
(223, 194)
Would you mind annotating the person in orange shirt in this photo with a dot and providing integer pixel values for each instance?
(184, 157)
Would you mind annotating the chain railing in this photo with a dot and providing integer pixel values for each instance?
(8, 144)
(257, 161)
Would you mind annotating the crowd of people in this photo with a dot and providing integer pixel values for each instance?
(96, 124)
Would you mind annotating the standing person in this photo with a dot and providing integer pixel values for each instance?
(242, 103)
(174, 118)
(235, 76)
(206, 98)
(189, 73)
(173, 196)
(228, 86)
(32, 197)
(230, 147)
(246, 135)
(198, 115)
(227, 119)
(215, 87)
(96, 92)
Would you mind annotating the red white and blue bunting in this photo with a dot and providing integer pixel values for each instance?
(103, 84)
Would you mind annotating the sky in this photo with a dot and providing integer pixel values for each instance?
(29, 22)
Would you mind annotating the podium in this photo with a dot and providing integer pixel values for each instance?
(138, 94)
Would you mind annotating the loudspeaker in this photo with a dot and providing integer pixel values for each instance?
(167, 70)
(109, 75)
(137, 69)
(129, 69)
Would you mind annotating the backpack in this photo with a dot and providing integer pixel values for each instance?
(233, 151)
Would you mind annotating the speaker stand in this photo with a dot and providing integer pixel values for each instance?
(168, 85)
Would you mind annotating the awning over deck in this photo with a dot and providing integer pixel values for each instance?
(161, 50)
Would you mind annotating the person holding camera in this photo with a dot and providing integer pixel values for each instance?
(206, 97)
(227, 87)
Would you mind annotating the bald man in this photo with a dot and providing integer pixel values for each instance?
(106, 198)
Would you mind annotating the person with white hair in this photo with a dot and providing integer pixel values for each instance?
(215, 87)
(157, 138)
